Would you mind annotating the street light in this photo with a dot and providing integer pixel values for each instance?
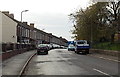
(22, 12)
(21, 21)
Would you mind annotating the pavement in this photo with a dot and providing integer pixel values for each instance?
(13, 65)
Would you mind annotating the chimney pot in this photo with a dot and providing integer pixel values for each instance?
(12, 15)
(25, 23)
(32, 25)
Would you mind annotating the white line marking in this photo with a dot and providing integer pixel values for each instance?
(109, 59)
(106, 58)
(102, 72)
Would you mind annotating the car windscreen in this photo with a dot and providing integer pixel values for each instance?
(42, 45)
(71, 46)
(81, 42)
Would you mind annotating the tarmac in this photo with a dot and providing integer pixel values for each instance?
(107, 57)
(13, 65)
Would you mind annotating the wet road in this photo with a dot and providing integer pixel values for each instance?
(63, 62)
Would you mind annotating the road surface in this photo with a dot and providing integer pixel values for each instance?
(63, 62)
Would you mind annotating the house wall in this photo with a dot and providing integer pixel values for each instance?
(0, 27)
(8, 29)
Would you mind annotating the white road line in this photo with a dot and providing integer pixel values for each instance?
(106, 58)
(109, 59)
(102, 72)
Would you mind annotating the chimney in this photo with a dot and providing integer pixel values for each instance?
(32, 25)
(6, 12)
(12, 16)
(25, 23)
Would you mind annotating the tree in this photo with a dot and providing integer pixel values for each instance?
(114, 17)
(88, 22)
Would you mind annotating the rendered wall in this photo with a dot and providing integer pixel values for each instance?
(8, 29)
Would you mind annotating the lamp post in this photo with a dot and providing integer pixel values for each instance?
(22, 12)
(21, 21)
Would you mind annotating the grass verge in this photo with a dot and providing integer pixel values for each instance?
(107, 46)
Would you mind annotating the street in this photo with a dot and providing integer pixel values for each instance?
(63, 62)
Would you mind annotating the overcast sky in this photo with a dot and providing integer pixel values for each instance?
(48, 15)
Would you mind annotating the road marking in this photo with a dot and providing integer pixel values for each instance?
(106, 58)
(102, 72)
(109, 59)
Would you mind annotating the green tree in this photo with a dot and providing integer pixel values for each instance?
(88, 22)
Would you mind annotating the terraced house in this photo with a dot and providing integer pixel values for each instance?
(15, 31)
(8, 28)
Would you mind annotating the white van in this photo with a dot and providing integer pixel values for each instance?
(82, 46)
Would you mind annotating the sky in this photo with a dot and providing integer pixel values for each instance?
(48, 15)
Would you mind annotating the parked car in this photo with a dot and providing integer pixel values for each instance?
(42, 49)
(50, 46)
(71, 47)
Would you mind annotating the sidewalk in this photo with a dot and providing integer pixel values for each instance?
(13, 65)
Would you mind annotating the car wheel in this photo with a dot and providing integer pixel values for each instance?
(38, 53)
(77, 52)
(87, 51)
(46, 53)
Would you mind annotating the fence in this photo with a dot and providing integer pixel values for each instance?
(12, 49)
(13, 46)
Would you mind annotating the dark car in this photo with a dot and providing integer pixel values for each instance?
(42, 49)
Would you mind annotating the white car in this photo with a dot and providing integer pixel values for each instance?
(71, 47)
